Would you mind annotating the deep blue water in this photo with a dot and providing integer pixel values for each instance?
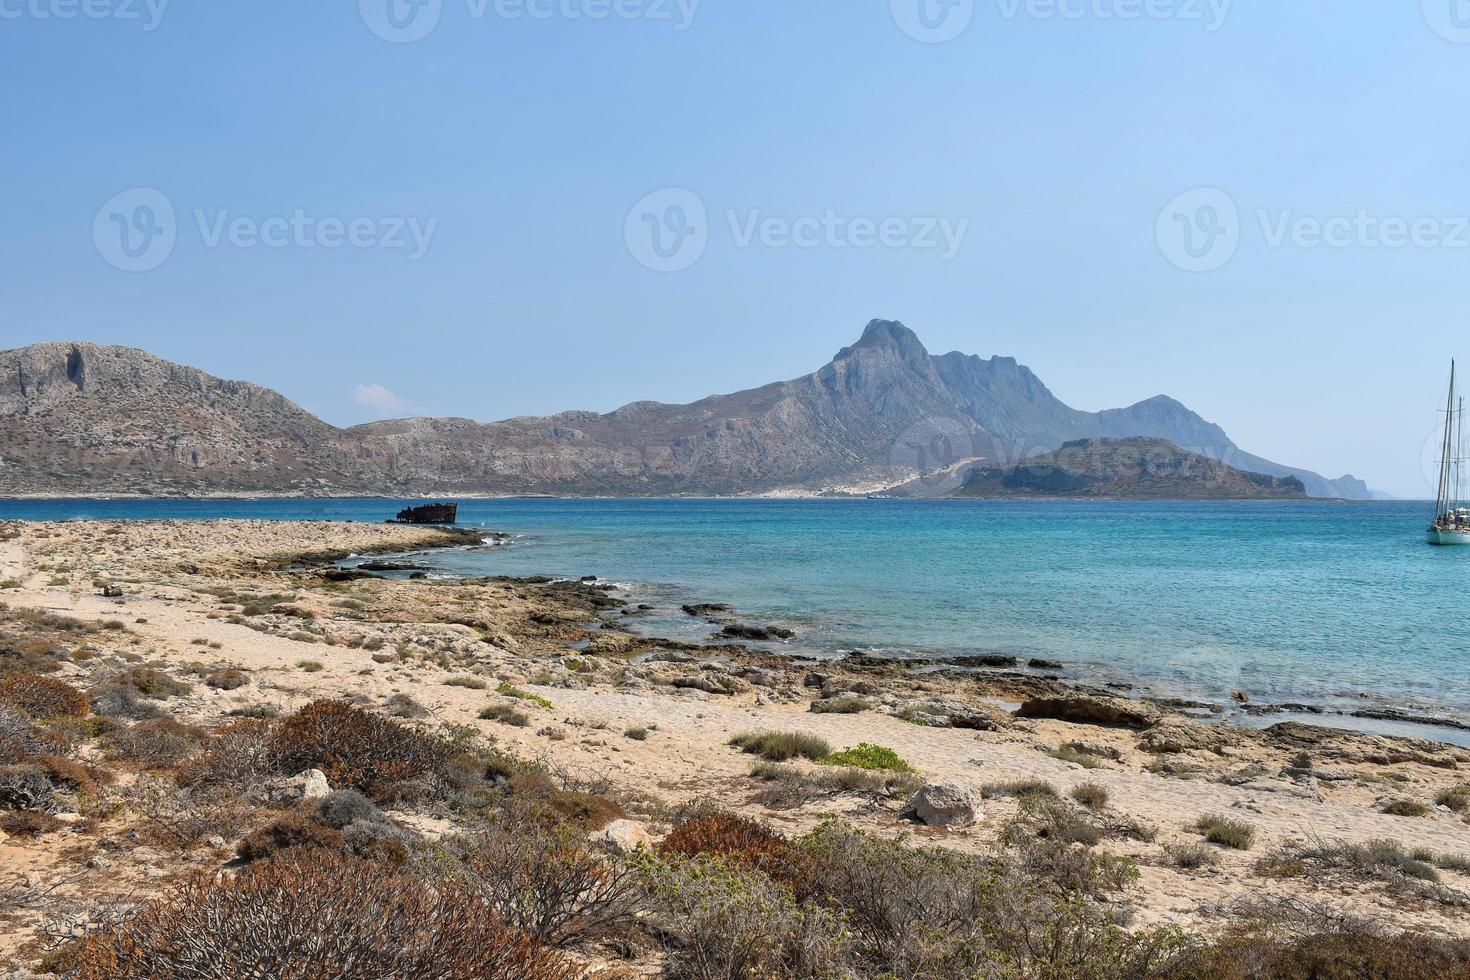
(1343, 604)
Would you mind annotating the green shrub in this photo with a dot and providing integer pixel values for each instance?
(471, 683)
(637, 733)
(511, 691)
(1406, 808)
(865, 755)
(1090, 795)
(505, 714)
(310, 666)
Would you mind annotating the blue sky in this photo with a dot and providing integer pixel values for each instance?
(338, 195)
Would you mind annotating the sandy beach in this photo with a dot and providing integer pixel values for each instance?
(652, 721)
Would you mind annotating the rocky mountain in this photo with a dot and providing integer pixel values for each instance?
(1140, 468)
(79, 418)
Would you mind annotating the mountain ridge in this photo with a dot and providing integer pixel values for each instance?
(77, 417)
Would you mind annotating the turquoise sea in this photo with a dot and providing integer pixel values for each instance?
(1332, 604)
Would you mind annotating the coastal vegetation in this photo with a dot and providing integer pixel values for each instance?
(212, 809)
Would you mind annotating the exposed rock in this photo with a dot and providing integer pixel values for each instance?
(843, 704)
(309, 785)
(1355, 747)
(949, 805)
(834, 686)
(756, 634)
(626, 836)
(947, 713)
(1082, 709)
(1183, 737)
(710, 682)
(1038, 663)
(112, 590)
(704, 610)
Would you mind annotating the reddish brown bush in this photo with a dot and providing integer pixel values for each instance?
(41, 697)
(356, 749)
(586, 810)
(315, 916)
(746, 842)
(295, 829)
(28, 823)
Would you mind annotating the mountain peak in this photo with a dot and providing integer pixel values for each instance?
(888, 333)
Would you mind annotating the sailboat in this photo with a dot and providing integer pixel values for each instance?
(1451, 518)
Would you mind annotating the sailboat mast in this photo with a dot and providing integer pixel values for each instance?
(1442, 489)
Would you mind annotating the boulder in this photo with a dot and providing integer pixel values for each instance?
(112, 591)
(946, 713)
(1084, 709)
(951, 805)
(309, 785)
(1171, 739)
(844, 704)
(626, 836)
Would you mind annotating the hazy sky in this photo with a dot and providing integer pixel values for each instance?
(578, 203)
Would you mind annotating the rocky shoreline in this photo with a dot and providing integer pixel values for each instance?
(237, 620)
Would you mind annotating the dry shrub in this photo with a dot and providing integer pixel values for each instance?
(1234, 834)
(357, 749)
(548, 881)
(921, 912)
(1331, 956)
(315, 915)
(744, 842)
(182, 816)
(590, 811)
(156, 744)
(25, 787)
(727, 921)
(19, 738)
(28, 823)
(122, 701)
(41, 697)
(1384, 861)
(782, 746)
(151, 683)
(227, 680)
(238, 755)
(297, 828)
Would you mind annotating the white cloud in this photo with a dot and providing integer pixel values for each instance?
(382, 401)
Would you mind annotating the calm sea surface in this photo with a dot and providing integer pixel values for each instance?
(1332, 604)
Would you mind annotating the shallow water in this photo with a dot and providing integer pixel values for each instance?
(1317, 602)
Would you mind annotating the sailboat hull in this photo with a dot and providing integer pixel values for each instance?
(1445, 537)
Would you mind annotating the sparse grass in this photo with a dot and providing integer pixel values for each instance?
(1190, 857)
(506, 714)
(1020, 788)
(781, 746)
(1090, 795)
(1406, 808)
(1386, 861)
(469, 683)
(866, 755)
(1234, 834)
(847, 704)
(1456, 798)
(1073, 755)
